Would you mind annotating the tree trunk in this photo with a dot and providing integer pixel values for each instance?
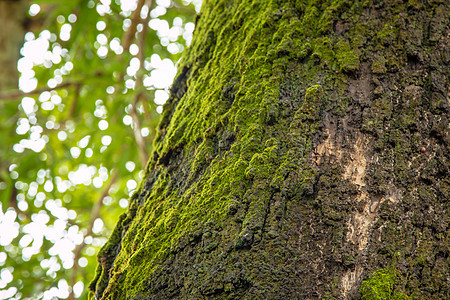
(12, 15)
(303, 154)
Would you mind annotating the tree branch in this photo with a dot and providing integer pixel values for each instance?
(140, 141)
(16, 94)
(128, 36)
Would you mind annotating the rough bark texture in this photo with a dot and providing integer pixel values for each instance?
(12, 15)
(303, 154)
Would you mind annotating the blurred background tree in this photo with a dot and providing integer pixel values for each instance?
(77, 132)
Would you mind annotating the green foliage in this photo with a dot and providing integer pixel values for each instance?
(73, 147)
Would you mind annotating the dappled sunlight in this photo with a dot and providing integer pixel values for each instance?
(81, 130)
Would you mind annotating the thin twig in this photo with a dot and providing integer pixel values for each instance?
(14, 95)
(140, 141)
(135, 20)
(94, 215)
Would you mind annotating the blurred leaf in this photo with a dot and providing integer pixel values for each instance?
(60, 174)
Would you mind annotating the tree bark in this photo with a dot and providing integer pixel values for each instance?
(12, 16)
(303, 154)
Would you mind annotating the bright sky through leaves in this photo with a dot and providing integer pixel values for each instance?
(76, 142)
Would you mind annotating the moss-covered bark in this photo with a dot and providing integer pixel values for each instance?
(303, 154)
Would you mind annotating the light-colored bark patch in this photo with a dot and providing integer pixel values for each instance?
(327, 149)
(349, 279)
(360, 222)
(356, 169)
(359, 226)
(355, 162)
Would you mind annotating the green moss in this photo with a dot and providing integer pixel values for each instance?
(310, 108)
(387, 34)
(380, 286)
(203, 155)
(347, 58)
(262, 164)
(379, 65)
